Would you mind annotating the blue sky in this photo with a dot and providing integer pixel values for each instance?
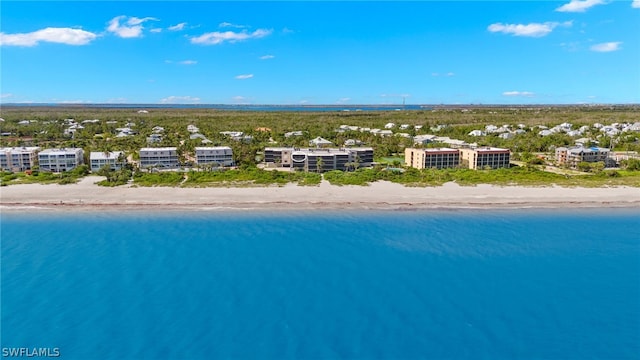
(426, 52)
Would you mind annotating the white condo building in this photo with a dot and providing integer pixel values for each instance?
(18, 158)
(60, 160)
(319, 160)
(99, 159)
(164, 157)
(220, 155)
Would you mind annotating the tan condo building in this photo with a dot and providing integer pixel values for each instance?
(485, 158)
(18, 158)
(436, 158)
(573, 156)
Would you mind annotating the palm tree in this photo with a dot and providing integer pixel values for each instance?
(349, 165)
(122, 159)
(319, 165)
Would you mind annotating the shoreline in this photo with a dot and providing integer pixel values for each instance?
(87, 196)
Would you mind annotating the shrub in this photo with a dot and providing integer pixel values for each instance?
(631, 164)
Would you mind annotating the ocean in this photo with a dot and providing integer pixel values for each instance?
(450, 284)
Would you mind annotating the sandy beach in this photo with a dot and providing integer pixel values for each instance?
(86, 195)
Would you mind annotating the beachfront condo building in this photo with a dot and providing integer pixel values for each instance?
(436, 158)
(159, 158)
(99, 159)
(485, 158)
(571, 157)
(60, 160)
(319, 160)
(215, 156)
(18, 158)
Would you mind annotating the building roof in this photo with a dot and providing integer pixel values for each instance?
(437, 150)
(213, 148)
(322, 152)
(580, 149)
(20, 150)
(61, 151)
(320, 140)
(491, 149)
(281, 148)
(101, 155)
(159, 149)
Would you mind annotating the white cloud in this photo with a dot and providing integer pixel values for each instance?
(449, 74)
(4, 96)
(228, 24)
(73, 101)
(156, 30)
(579, 5)
(518, 93)
(177, 27)
(66, 36)
(180, 100)
(127, 27)
(137, 21)
(606, 47)
(241, 100)
(216, 37)
(635, 4)
(530, 30)
(244, 76)
(183, 62)
(266, 57)
(343, 100)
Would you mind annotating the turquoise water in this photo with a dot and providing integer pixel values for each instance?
(446, 285)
